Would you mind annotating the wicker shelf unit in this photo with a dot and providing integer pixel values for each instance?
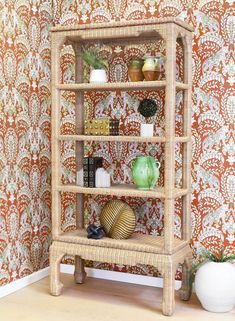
(122, 190)
(164, 252)
(147, 85)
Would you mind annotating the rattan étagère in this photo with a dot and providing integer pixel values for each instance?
(164, 252)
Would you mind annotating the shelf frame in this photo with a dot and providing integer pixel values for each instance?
(128, 190)
(137, 242)
(79, 273)
(56, 44)
(169, 170)
(130, 139)
(169, 29)
(123, 86)
(187, 148)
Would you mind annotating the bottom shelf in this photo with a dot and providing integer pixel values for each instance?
(137, 242)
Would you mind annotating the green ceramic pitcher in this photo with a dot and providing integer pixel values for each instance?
(145, 172)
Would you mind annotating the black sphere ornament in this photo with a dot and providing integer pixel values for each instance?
(147, 108)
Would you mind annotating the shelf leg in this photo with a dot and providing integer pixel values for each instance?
(55, 259)
(186, 288)
(168, 303)
(79, 273)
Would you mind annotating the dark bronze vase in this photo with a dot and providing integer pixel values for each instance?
(135, 69)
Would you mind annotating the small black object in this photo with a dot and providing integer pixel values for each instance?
(147, 108)
(95, 232)
(90, 165)
(94, 163)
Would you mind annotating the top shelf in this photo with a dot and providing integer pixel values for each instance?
(148, 29)
(154, 21)
(147, 85)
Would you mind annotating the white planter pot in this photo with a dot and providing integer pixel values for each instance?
(98, 76)
(215, 286)
(146, 130)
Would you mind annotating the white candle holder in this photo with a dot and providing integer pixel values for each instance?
(146, 130)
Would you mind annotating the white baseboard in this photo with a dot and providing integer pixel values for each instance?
(93, 273)
(120, 276)
(21, 283)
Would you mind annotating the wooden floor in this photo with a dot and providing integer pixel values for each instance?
(98, 300)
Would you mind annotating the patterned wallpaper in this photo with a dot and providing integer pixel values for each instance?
(25, 223)
(25, 126)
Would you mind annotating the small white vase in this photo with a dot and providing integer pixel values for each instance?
(98, 76)
(102, 178)
(215, 286)
(146, 130)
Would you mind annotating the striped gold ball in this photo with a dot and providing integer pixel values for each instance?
(118, 220)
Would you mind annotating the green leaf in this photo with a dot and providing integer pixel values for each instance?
(229, 258)
(93, 59)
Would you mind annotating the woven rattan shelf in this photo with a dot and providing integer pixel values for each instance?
(164, 252)
(137, 242)
(130, 139)
(122, 190)
(115, 138)
(147, 85)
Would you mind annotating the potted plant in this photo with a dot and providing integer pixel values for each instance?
(148, 109)
(214, 280)
(97, 63)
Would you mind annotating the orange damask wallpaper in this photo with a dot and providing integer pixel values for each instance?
(25, 222)
(25, 126)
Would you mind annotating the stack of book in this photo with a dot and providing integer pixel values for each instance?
(90, 165)
(101, 127)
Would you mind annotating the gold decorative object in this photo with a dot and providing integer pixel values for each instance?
(118, 219)
(101, 127)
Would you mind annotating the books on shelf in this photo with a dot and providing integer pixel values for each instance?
(90, 165)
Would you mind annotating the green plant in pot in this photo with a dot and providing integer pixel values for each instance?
(148, 109)
(214, 279)
(97, 63)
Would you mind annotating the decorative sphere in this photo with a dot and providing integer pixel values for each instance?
(118, 219)
(147, 107)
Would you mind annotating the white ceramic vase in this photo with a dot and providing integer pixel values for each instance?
(146, 130)
(102, 178)
(98, 76)
(215, 286)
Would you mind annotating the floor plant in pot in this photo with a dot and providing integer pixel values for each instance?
(214, 278)
(97, 63)
(148, 109)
